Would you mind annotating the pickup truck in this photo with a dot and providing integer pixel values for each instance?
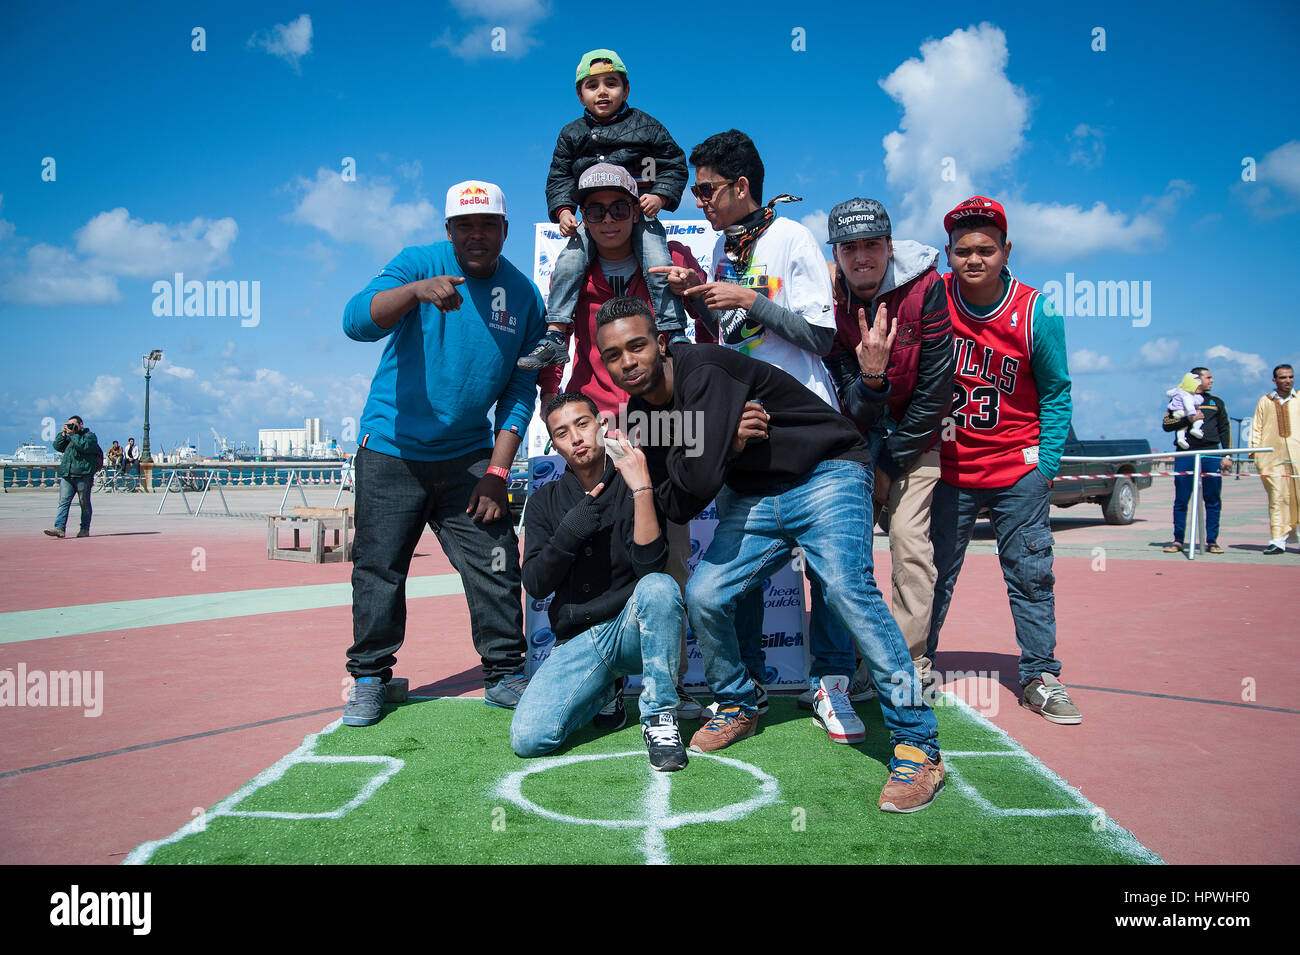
(1117, 493)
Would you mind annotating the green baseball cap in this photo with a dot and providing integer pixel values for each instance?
(585, 69)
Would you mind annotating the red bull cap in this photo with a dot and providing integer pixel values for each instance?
(474, 197)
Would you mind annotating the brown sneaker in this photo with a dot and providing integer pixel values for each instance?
(914, 780)
(725, 728)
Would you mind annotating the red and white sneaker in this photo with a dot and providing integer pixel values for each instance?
(834, 713)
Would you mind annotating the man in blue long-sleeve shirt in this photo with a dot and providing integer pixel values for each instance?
(456, 316)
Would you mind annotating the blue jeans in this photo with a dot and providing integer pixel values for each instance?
(573, 683)
(1211, 489)
(1019, 515)
(828, 515)
(649, 244)
(80, 486)
(830, 644)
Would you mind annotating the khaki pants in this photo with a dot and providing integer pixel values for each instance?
(913, 573)
(1283, 504)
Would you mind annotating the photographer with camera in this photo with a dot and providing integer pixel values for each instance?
(82, 457)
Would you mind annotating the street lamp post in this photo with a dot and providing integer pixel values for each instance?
(150, 360)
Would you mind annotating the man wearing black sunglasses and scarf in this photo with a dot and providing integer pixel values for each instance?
(770, 299)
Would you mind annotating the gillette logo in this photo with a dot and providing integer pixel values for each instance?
(673, 228)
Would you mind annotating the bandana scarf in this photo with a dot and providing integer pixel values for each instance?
(739, 239)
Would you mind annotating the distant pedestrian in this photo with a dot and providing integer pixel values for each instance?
(82, 457)
(1216, 429)
(1276, 425)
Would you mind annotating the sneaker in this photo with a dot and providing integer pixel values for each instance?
(1181, 441)
(1270, 549)
(506, 691)
(365, 702)
(728, 726)
(833, 712)
(553, 349)
(914, 780)
(862, 688)
(688, 707)
(83, 533)
(54, 531)
(613, 715)
(760, 700)
(1047, 697)
(664, 743)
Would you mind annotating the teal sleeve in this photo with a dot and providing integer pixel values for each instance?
(357, 323)
(1052, 376)
(517, 401)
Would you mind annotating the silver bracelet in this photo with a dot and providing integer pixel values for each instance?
(646, 487)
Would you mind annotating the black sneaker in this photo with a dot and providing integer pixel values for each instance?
(505, 692)
(613, 715)
(553, 349)
(664, 743)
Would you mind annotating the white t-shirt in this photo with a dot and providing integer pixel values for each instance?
(788, 267)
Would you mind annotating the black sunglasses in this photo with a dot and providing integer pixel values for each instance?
(621, 210)
(705, 190)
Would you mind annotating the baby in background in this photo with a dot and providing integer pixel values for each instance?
(1185, 401)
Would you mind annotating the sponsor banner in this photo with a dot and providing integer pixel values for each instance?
(785, 642)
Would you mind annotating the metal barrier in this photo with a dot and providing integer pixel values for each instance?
(1196, 518)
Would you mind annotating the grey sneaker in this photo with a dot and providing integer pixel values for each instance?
(365, 702)
(54, 531)
(688, 707)
(553, 349)
(506, 691)
(1047, 697)
(862, 688)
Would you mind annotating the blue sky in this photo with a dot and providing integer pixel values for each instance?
(1123, 164)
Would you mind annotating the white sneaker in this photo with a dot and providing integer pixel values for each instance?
(834, 713)
(862, 688)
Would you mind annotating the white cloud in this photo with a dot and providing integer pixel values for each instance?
(116, 243)
(178, 371)
(362, 212)
(54, 276)
(1276, 189)
(934, 139)
(504, 28)
(942, 153)
(1162, 351)
(1085, 360)
(289, 41)
(104, 401)
(1252, 366)
(815, 222)
(6, 228)
(1087, 146)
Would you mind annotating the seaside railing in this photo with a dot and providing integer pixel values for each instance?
(228, 474)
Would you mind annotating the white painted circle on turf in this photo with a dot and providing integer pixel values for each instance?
(655, 817)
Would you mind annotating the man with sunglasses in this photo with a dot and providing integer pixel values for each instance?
(608, 199)
(770, 299)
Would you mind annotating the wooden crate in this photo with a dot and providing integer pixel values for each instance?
(315, 526)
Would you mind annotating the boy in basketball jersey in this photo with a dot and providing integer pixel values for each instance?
(1010, 416)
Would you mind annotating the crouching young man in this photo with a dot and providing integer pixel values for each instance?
(593, 539)
(800, 478)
